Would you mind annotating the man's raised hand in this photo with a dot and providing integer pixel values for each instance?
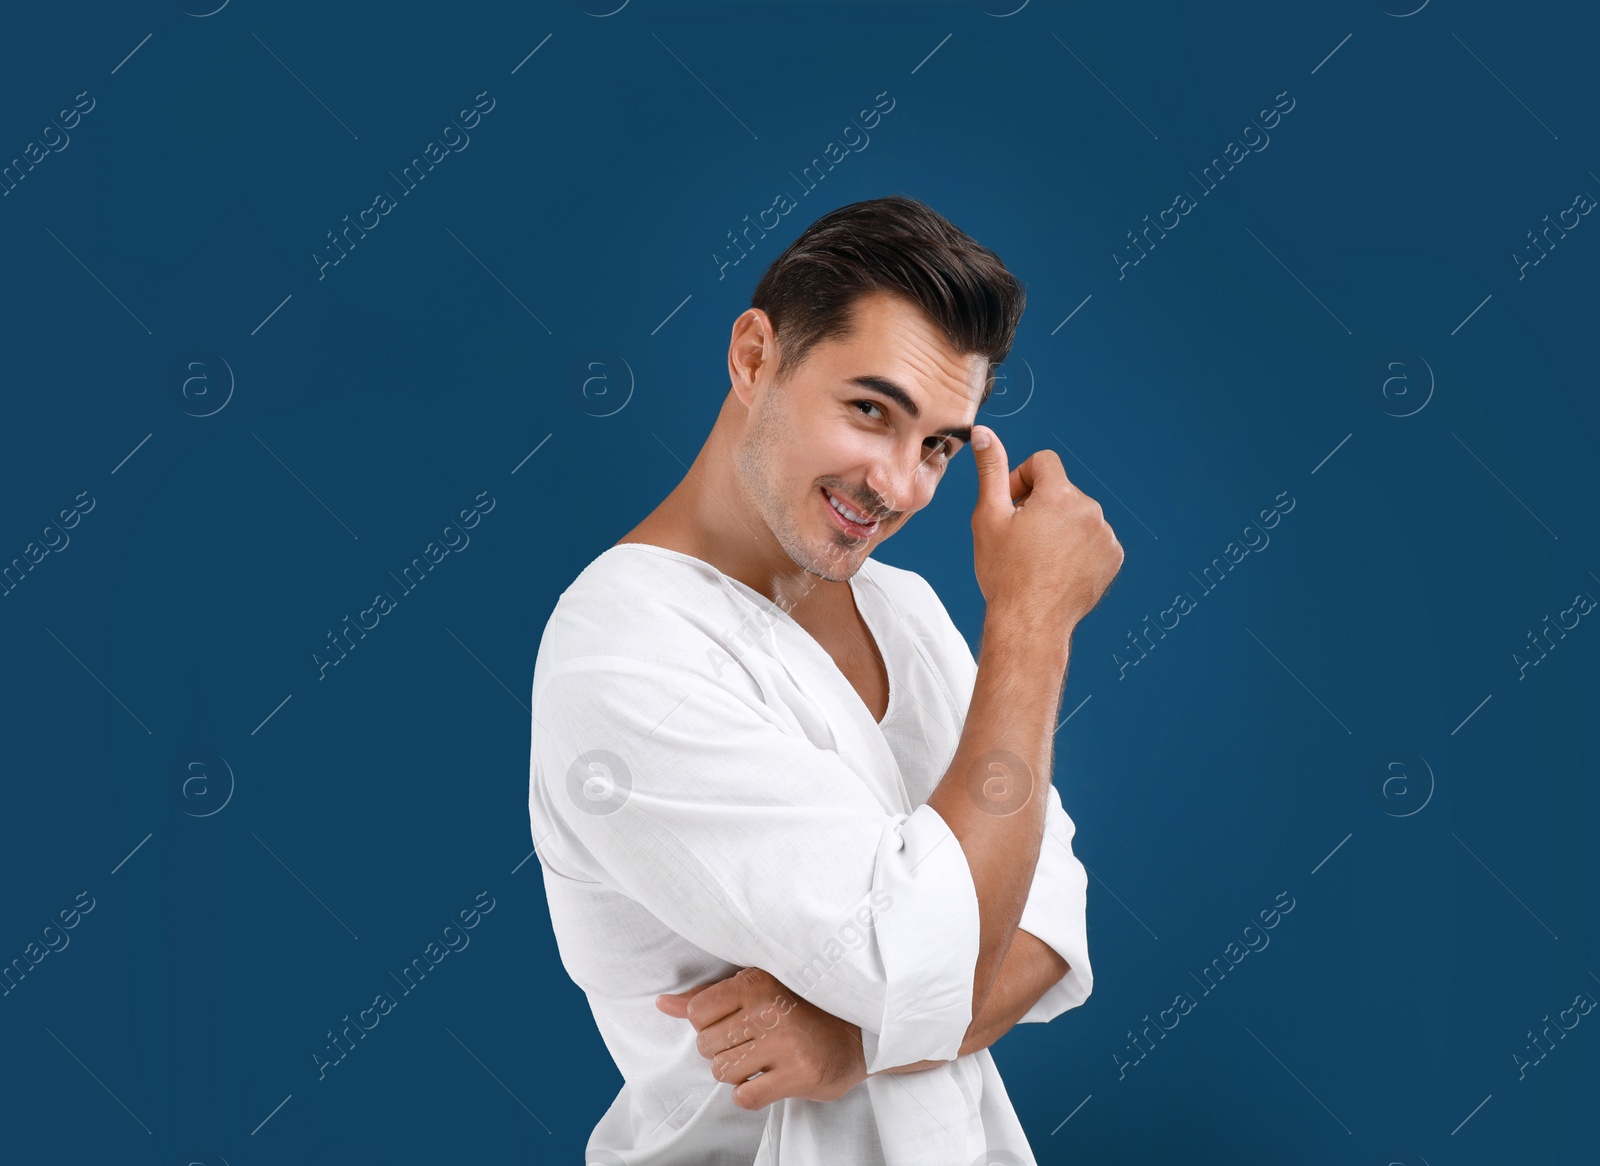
(1042, 549)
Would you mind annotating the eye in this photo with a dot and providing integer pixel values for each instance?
(945, 447)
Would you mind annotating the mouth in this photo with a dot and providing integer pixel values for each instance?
(847, 518)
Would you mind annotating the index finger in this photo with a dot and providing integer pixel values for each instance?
(1041, 464)
(715, 1002)
(1021, 486)
(1023, 478)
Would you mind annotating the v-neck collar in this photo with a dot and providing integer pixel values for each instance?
(873, 614)
(872, 603)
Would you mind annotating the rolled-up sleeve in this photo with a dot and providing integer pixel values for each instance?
(1054, 913)
(750, 841)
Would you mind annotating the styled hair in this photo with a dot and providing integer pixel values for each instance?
(897, 245)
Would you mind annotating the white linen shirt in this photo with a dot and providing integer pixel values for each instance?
(708, 792)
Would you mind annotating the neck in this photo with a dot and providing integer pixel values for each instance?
(710, 516)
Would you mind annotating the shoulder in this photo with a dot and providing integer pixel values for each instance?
(645, 604)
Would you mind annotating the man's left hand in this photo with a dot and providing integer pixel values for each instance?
(750, 1024)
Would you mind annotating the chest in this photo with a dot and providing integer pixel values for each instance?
(847, 638)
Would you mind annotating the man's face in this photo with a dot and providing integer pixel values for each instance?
(870, 419)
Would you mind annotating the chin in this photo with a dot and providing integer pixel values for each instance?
(836, 563)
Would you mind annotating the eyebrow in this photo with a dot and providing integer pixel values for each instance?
(899, 396)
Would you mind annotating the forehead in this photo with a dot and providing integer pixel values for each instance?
(893, 338)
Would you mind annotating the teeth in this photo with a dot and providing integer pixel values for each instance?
(859, 520)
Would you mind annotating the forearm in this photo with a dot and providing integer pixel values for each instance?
(994, 796)
(1030, 968)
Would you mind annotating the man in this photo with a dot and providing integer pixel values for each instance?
(802, 851)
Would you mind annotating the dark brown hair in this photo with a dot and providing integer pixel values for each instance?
(897, 245)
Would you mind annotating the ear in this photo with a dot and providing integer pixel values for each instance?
(752, 350)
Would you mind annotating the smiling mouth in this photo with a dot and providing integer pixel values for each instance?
(847, 518)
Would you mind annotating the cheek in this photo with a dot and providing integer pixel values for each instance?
(827, 454)
(847, 443)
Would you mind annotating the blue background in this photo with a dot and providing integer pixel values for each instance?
(543, 323)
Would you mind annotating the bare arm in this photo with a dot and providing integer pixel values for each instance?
(1044, 555)
(995, 793)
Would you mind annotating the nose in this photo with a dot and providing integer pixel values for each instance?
(893, 479)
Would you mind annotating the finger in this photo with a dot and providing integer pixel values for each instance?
(762, 1091)
(994, 476)
(737, 1065)
(715, 1002)
(677, 1003)
(1022, 479)
(728, 1033)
